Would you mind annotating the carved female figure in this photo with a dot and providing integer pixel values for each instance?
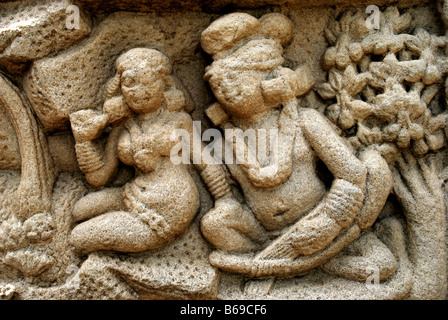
(143, 105)
(291, 223)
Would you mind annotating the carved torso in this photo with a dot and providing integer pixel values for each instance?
(284, 204)
(165, 187)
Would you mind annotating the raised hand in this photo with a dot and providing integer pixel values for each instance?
(87, 125)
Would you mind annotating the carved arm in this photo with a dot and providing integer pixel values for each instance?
(98, 165)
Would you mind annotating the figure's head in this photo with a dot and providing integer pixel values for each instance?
(143, 73)
(247, 52)
(144, 83)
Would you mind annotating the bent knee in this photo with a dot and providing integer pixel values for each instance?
(215, 226)
(215, 230)
(117, 231)
(210, 225)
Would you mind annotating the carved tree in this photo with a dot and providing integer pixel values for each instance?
(38, 172)
(383, 93)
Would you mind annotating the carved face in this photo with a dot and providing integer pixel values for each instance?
(142, 88)
(239, 92)
(236, 80)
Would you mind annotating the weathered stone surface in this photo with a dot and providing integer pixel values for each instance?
(223, 150)
(83, 71)
(216, 6)
(31, 30)
(10, 155)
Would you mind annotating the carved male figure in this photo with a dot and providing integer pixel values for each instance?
(290, 223)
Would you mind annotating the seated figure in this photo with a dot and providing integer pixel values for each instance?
(290, 223)
(144, 104)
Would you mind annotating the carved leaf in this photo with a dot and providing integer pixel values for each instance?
(358, 84)
(437, 123)
(397, 44)
(420, 147)
(432, 75)
(360, 109)
(346, 120)
(31, 263)
(436, 141)
(369, 42)
(326, 91)
(424, 37)
(404, 138)
(330, 36)
(345, 21)
(381, 46)
(413, 71)
(335, 80)
(342, 59)
(402, 23)
(391, 13)
(390, 133)
(333, 113)
(349, 77)
(379, 70)
(416, 131)
(414, 44)
(329, 59)
(356, 52)
(429, 93)
(367, 136)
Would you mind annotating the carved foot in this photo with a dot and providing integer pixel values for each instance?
(360, 258)
(251, 265)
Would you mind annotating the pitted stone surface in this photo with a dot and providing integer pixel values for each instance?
(102, 195)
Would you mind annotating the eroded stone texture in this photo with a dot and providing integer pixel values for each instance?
(10, 156)
(31, 30)
(83, 71)
(102, 195)
(213, 6)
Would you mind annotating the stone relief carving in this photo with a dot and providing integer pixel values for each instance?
(386, 87)
(297, 199)
(161, 201)
(350, 188)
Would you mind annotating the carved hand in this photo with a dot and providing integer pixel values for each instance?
(87, 125)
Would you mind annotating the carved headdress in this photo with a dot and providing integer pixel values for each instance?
(239, 41)
(232, 31)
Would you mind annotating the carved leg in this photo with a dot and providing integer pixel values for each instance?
(97, 203)
(343, 205)
(252, 266)
(364, 255)
(316, 231)
(233, 229)
(117, 231)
